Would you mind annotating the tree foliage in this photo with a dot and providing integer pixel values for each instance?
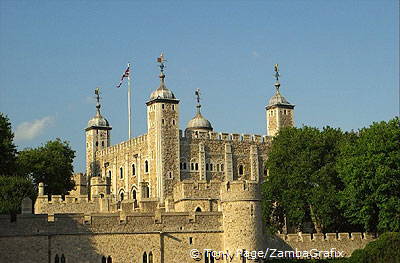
(302, 182)
(339, 181)
(8, 150)
(12, 190)
(369, 165)
(50, 164)
(386, 249)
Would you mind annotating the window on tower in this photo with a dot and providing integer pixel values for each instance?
(133, 170)
(240, 169)
(146, 166)
(121, 173)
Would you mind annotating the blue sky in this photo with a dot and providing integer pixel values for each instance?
(339, 63)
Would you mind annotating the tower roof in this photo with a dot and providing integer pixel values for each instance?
(162, 92)
(199, 122)
(278, 99)
(98, 120)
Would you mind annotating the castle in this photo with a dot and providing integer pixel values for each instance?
(160, 196)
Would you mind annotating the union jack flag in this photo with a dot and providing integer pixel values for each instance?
(125, 75)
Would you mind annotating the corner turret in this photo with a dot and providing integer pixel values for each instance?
(280, 113)
(97, 138)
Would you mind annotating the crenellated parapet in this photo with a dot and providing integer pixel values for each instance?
(118, 222)
(341, 243)
(50, 204)
(240, 191)
(189, 189)
(134, 142)
(315, 237)
(221, 136)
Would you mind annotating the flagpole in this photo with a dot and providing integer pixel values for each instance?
(129, 101)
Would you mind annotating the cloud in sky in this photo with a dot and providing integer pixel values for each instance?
(27, 131)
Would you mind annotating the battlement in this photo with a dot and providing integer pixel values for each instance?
(240, 191)
(111, 223)
(235, 137)
(123, 145)
(189, 189)
(69, 204)
(302, 237)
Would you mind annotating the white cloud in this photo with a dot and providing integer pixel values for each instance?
(29, 130)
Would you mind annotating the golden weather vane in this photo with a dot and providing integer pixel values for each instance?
(276, 69)
(161, 60)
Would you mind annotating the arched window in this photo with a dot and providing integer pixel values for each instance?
(196, 166)
(121, 195)
(192, 166)
(206, 166)
(146, 166)
(103, 259)
(222, 167)
(109, 259)
(240, 169)
(198, 209)
(211, 166)
(62, 258)
(151, 257)
(184, 166)
(133, 170)
(144, 257)
(146, 192)
(134, 194)
(56, 259)
(102, 143)
(121, 173)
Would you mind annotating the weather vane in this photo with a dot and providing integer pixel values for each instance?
(97, 92)
(197, 93)
(161, 60)
(276, 69)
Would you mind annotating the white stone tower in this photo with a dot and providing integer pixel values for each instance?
(97, 138)
(280, 113)
(163, 139)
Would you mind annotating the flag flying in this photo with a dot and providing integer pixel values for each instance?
(125, 75)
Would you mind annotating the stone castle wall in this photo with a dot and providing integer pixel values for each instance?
(126, 236)
(168, 236)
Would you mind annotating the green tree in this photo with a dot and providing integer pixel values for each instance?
(12, 190)
(386, 249)
(302, 182)
(369, 165)
(7, 148)
(50, 164)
